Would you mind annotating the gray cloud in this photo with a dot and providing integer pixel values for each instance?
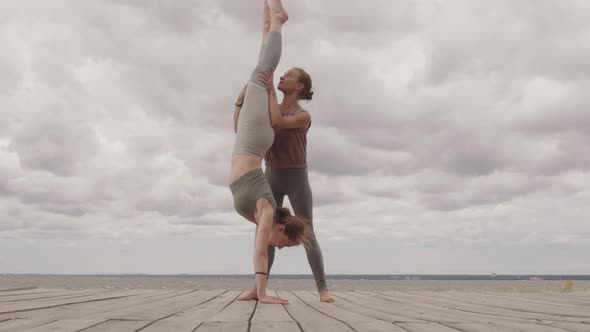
(433, 123)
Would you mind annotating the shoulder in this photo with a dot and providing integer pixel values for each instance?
(303, 112)
(307, 117)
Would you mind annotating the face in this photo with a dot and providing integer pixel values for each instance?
(289, 82)
(278, 239)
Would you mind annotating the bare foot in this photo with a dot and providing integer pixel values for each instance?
(278, 12)
(251, 295)
(266, 17)
(325, 296)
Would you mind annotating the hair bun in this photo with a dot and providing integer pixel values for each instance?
(283, 212)
(309, 95)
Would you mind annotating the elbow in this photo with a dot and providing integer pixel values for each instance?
(276, 124)
(261, 253)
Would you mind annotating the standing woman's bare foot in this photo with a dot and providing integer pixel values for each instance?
(325, 296)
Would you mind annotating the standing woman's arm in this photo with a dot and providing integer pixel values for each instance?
(273, 103)
(278, 121)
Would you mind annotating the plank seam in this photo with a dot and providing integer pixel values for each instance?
(323, 313)
(176, 313)
(423, 320)
(91, 326)
(293, 318)
(63, 304)
(401, 327)
(527, 300)
(17, 289)
(64, 296)
(220, 310)
(511, 309)
(530, 320)
(366, 307)
(252, 315)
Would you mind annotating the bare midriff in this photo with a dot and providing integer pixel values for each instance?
(242, 164)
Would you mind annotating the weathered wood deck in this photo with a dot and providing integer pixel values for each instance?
(198, 310)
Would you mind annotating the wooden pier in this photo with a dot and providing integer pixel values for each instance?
(39, 309)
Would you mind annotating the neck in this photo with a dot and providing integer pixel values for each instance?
(289, 101)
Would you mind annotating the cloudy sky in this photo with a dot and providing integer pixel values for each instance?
(447, 136)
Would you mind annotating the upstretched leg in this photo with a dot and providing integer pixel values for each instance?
(270, 52)
(265, 28)
(254, 132)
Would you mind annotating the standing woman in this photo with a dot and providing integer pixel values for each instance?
(254, 122)
(286, 166)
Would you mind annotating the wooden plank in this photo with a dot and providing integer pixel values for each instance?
(130, 299)
(233, 318)
(508, 327)
(47, 296)
(361, 306)
(426, 327)
(55, 302)
(117, 325)
(550, 297)
(354, 320)
(12, 289)
(15, 324)
(425, 310)
(574, 327)
(189, 319)
(310, 319)
(159, 309)
(270, 312)
(16, 295)
(23, 321)
(456, 304)
(66, 325)
(275, 326)
(492, 323)
(545, 308)
(272, 317)
(480, 327)
(237, 311)
(223, 327)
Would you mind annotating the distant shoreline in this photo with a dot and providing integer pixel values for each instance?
(462, 277)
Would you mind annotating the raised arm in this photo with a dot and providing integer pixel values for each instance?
(265, 218)
(261, 257)
(278, 121)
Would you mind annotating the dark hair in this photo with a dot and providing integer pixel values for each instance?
(296, 228)
(304, 78)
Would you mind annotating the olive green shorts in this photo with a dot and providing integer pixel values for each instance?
(248, 189)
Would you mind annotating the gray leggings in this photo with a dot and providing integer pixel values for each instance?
(254, 134)
(293, 183)
(269, 56)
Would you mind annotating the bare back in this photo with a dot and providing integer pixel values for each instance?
(242, 164)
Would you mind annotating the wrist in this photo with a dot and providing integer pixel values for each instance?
(239, 103)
